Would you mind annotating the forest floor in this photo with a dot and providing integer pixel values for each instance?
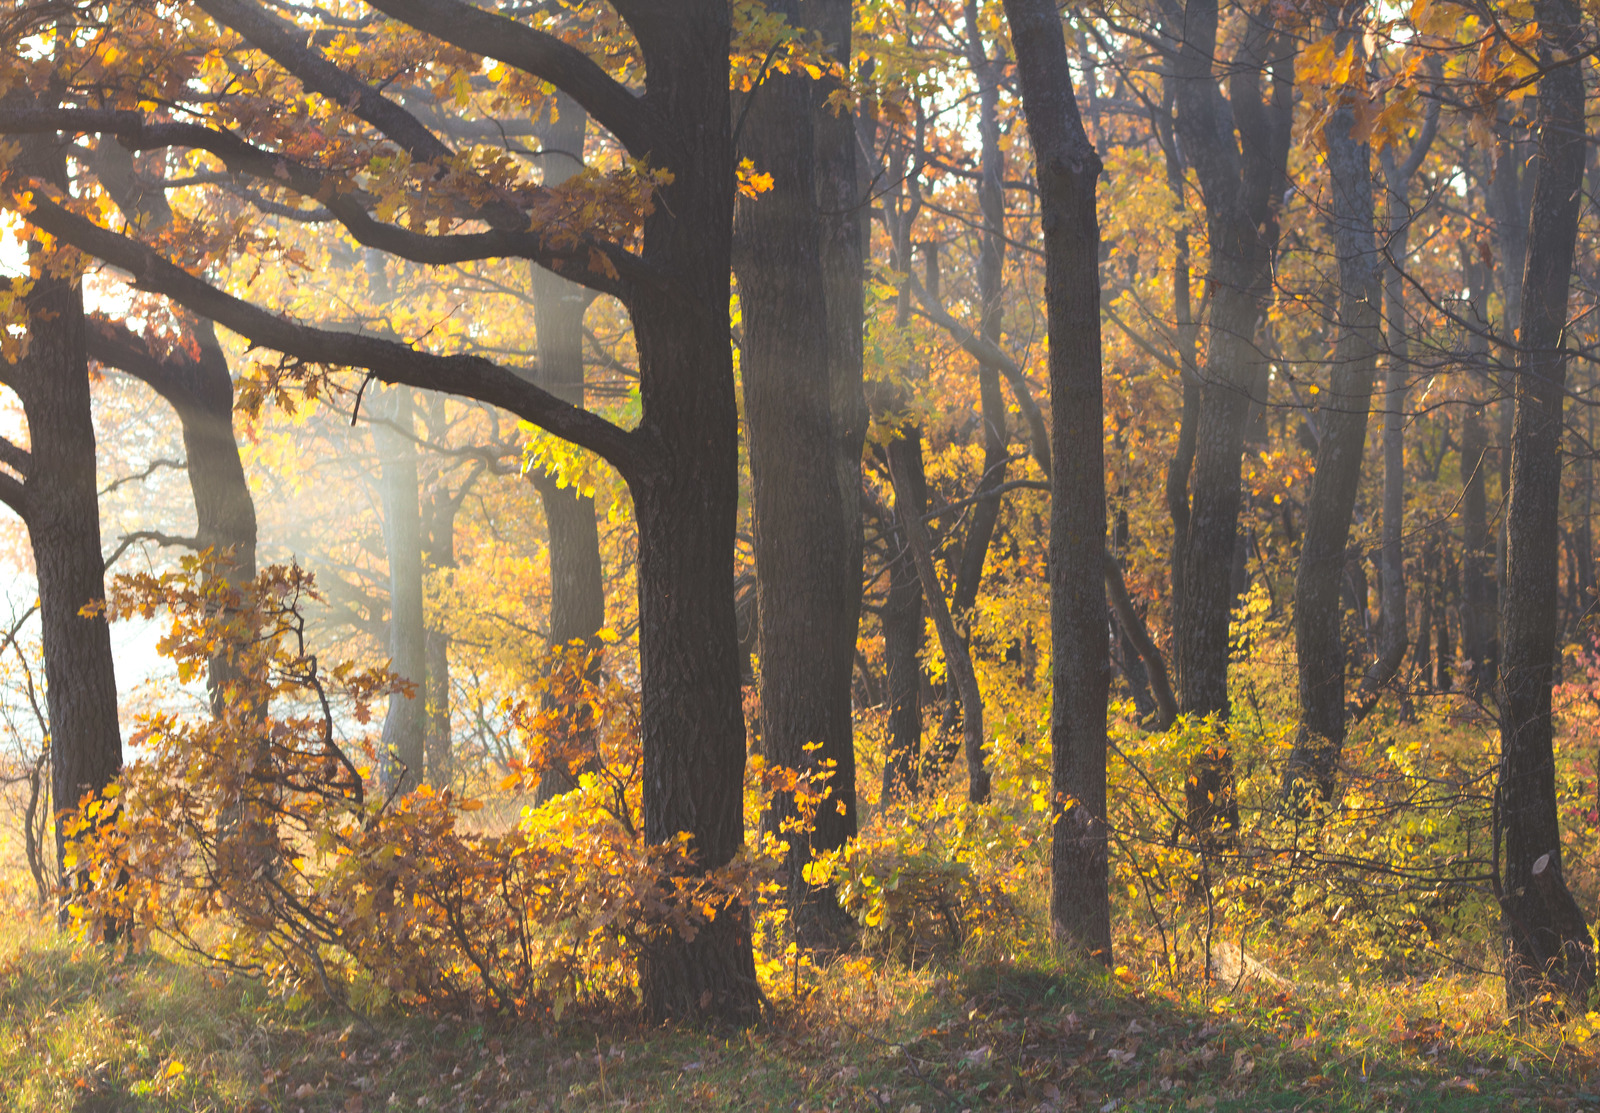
(80, 1032)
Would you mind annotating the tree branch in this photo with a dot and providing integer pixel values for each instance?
(543, 55)
(389, 361)
(346, 204)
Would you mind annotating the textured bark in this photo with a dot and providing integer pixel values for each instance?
(405, 724)
(686, 505)
(61, 507)
(1319, 644)
(805, 521)
(1067, 168)
(1241, 181)
(1547, 939)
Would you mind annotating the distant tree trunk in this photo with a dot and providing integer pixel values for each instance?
(1547, 937)
(439, 552)
(1241, 181)
(991, 275)
(1067, 168)
(406, 723)
(957, 661)
(1319, 643)
(806, 524)
(903, 631)
(1477, 554)
(1392, 636)
(200, 391)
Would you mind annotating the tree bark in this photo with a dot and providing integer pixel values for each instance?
(1067, 168)
(1319, 643)
(1547, 939)
(806, 524)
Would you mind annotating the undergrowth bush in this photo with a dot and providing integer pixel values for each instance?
(257, 838)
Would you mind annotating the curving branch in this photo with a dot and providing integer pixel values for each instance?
(985, 351)
(543, 55)
(347, 205)
(388, 360)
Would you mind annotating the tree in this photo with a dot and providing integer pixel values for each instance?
(1547, 937)
(800, 427)
(1241, 178)
(1319, 640)
(680, 462)
(1066, 168)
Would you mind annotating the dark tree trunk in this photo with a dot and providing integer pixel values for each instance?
(59, 501)
(1067, 168)
(1319, 643)
(1547, 938)
(806, 524)
(406, 723)
(686, 499)
(1241, 182)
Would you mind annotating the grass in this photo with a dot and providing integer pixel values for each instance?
(81, 1032)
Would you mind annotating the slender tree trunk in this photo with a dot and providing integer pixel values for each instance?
(1547, 937)
(439, 554)
(807, 532)
(1477, 602)
(1319, 643)
(957, 661)
(991, 274)
(1067, 168)
(406, 723)
(903, 631)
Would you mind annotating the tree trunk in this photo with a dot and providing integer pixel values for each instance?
(1547, 939)
(1067, 168)
(1319, 643)
(957, 660)
(807, 535)
(1477, 588)
(1241, 181)
(903, 631)
(406, 723)
(686, 500)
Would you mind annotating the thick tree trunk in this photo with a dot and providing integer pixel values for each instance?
(686, 499)
(807, 533)
(406, 723)
(1547, 938)
(1319, 643)
(64, 526)
(1067, 168)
